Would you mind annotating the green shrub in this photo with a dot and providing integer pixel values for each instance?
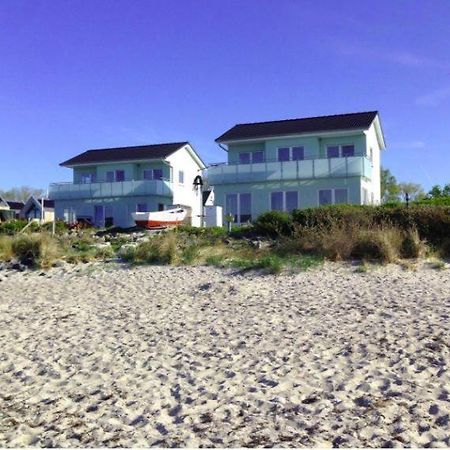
(432, 222)
(14, 226)
(274, 224)
(382, 245)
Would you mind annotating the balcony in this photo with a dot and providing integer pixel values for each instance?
(72, 191)
(351, 166)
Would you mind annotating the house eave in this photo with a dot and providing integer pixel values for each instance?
(293, 135)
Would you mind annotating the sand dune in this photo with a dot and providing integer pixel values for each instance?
(100, 355)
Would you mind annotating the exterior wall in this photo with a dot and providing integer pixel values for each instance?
(307, 189)
(133, 171)
(315, 146)
(374, 147)
(185, 194)
(121, 208)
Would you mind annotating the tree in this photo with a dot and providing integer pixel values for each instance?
(390, 189)
(438, 192)
(415, 191)
(21, 193)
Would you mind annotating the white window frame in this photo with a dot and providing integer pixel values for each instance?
(333, 195)
(284, 195)
(291, 153)
(339, 146)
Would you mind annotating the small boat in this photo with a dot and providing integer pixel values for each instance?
(160, 219)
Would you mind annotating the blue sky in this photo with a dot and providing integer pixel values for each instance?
(76, 75)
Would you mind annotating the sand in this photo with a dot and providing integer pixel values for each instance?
(104, 355)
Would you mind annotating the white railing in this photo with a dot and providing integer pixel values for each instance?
(67, 191)
(348, 166)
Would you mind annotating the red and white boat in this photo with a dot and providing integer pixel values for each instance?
(160, 219)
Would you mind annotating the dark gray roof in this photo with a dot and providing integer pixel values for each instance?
(298, 126)
(140, 152)
(15, 205)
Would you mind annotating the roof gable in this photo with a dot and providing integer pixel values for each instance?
(135, 153)
(32, 201)
(15, 205)
(350, 121)
(3, 201)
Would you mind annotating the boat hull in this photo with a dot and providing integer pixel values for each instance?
(160, 219)
(156, 223)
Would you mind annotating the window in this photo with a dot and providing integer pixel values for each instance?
(333, 196)
(348, 150)
(244, 158)
(239, 206)
(87, 178)
(291, 201)
(340, 196)
(181, 177)
(153, 174)
(283, 154)
(110, 176)
(333, 151)
(161, 207)
(336, 151)
(276, 201)
(120, 175)
(258, 157)
(251, 157)
(298, 153)
(245, 206)
(325, 197)
(141, 207)
(284, 201)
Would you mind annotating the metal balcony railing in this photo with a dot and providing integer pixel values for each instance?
(305, 169)
(103, 189)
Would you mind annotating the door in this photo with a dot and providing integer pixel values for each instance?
(99, 216)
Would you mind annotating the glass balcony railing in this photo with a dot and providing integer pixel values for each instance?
(350, 166)
(67, 191)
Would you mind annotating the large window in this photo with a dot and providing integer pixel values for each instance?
(239, 206)
(87, 178)
(298, 153)
(283, 154)
(251, 157)
(333, 196)
(284, 201)
(276, 201)
(120, 175)
(340, 151)
(291, 153)
(153, 174)
(258, 157)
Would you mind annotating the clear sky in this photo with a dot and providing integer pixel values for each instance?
(76, 75)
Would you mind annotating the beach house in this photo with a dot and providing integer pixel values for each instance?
(298, 163)
(38, 209)
(110, 184)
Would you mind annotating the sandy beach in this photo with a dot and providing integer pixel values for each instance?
(103, 355)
